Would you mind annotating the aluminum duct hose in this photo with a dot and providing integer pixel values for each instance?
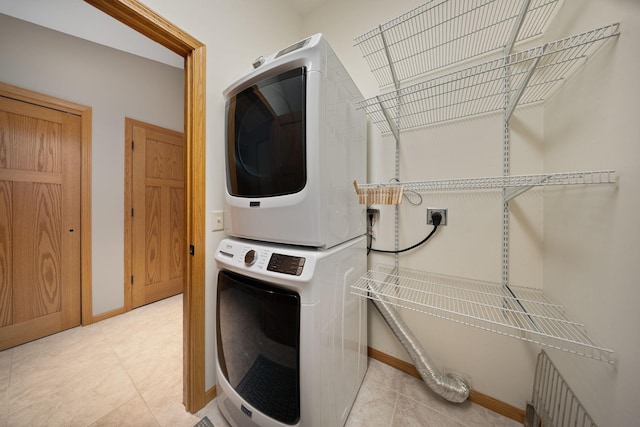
(449, 387)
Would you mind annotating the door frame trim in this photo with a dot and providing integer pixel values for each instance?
(147, 22)
(85, 113)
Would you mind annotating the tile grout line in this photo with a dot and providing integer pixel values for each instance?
(395, 407)
(124, 368)
(6, 393)
(435, 409)
(139, 312)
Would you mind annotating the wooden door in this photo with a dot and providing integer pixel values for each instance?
(157, 212)
(39, 221)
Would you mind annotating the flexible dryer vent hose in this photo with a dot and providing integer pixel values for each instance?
(449, 387)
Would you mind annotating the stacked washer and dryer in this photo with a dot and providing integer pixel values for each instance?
(291, 339)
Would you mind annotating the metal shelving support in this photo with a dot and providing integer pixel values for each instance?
(527, 78)
(390, 121)
(441, 33)
(522, 313)
(517, 27)
(480, 89)
(506, 159)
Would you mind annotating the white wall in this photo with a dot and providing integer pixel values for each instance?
(116, 85)
(91, 24)
(592, 235)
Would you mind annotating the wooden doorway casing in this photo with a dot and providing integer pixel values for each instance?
(142, 19)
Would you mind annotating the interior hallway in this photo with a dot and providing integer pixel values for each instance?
(127, 371)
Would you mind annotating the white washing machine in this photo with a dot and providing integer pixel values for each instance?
(291, 338)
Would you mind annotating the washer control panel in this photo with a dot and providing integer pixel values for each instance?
(286, 264)
(248, 256)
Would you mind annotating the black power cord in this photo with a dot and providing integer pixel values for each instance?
(436, 218)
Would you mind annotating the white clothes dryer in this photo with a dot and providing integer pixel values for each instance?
(295, 143)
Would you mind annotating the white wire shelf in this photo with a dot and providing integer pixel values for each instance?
(517, 312)
(515, 184)
(443, 32)
(532, 77)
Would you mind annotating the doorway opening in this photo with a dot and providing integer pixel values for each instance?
(142, 19)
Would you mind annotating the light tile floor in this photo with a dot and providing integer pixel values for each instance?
(127, 371)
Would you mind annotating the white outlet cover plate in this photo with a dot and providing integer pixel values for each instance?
(217, 220)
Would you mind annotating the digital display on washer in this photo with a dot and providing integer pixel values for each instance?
(286, 264)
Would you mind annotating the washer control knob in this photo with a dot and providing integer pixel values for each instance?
(250, 258)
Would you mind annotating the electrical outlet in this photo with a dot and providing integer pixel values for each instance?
(217, 220)
(431, 211)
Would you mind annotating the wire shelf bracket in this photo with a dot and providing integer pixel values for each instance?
(513, 103)
(392, 69)
(390, 122)
(516, 28)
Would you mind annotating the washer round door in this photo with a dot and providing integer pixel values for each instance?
(258, 339)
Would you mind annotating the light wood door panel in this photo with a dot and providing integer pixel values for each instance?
(157, 209)
(37, 264)
(39, 221)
